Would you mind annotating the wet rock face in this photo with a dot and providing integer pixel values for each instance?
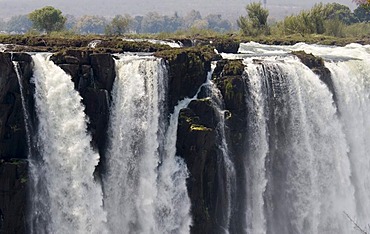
(188, 70)
(12, 131)
(13, 196)
(13, 143)
(197, 144)
(228, 76)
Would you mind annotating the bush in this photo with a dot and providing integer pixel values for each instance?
(358, 30)
(334, 27)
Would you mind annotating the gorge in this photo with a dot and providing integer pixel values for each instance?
(255, 139)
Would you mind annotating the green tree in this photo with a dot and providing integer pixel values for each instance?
(47, 19)
(362, 13)
(320, 19)
(119, 25)
(88, 24)
(256, 21)
(333, 11)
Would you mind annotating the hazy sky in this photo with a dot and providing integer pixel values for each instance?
(228, 8)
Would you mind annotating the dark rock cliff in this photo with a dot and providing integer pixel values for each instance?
(13, 196)
(229, 77)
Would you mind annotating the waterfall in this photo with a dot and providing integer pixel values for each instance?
(298, 171)
(352, 84)
(304, 169)
(258, 149)
(354, 108)
(66, 199)
(145, 189)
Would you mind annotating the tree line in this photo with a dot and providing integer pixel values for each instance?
(332, 19)
(49, 19)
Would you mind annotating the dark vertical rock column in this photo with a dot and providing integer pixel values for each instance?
(13, 143)
(197, 144)
(12, 131)
(228, 76)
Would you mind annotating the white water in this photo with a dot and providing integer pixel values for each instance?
(70, 200)
(351, 79)
(307, 186)
(2, 47)
(258, 146)
(145, 185)
(355, 110)
(93, 43)
(320, 171)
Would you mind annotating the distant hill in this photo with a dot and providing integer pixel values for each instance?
(230, 9)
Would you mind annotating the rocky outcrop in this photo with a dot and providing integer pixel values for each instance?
(226, 45)
(197, 144)
(188, 70)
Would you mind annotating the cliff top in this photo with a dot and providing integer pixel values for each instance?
(153, 43)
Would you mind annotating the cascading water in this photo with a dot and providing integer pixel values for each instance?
(145, 190)
(352, 85)
(66, 198)
(306, 161)
(298, 171)
(258, 149)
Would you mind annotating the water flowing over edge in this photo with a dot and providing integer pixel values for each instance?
(67, 199)
(151, 192)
